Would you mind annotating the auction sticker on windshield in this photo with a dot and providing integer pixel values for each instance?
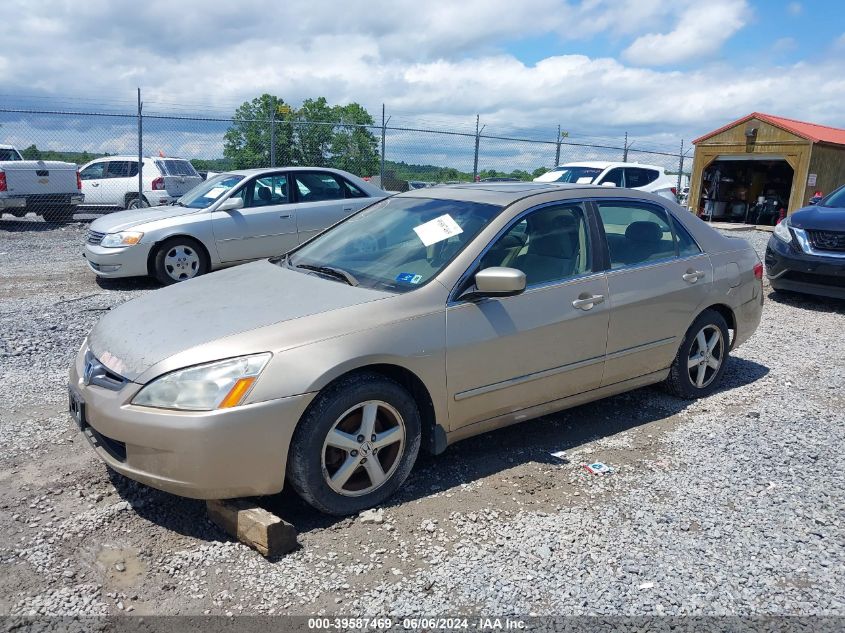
(437, 230)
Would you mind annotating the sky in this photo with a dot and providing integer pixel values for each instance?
(661, 71)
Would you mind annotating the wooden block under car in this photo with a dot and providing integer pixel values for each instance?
(253, 526)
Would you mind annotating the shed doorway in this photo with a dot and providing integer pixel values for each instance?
(748, 189)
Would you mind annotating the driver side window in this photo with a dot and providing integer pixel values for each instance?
(551, 244)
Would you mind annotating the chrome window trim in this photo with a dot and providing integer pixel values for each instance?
(453, 299)
(653, 263)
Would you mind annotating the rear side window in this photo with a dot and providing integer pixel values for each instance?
(117, 169)
(351, 191)
(686, 245)
(174, 167)
(8, 154)
(636, 232)
(317, 186)
(93, 172)
(640, 176)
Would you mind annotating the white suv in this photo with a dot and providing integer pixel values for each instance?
(649, 178)
(112, 181)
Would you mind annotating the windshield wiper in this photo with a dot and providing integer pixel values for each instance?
(337, 273)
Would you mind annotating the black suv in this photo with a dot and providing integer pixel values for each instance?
(807, 251)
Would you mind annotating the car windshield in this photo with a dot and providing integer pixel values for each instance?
(575, 174)
(209, 191)
(397, 244)
(8, 154)
(835, 199)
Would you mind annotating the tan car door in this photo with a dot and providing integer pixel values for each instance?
(658, 281)
(510, 353)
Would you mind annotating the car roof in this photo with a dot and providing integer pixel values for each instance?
(135, 157)
(267, 170)
(498, 193)
(605, 164)
(6, 146)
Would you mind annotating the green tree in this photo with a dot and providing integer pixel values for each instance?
(247, 142)
(313, 132)
(539, 171)
(32, 153)
(354, 148)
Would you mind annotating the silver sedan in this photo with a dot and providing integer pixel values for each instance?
(229, 219)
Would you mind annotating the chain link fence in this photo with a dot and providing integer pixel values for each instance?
(105, 147)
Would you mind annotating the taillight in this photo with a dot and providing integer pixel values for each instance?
(758, 271)
(158, 184)
(78, 182)
(2, 181)
(674, 191)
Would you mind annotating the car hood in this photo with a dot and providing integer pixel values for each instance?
(123, 220)
(141, 333)
(819, 218)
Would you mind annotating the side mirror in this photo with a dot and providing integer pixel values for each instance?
(608, 184)
(814, 200)
(231, 204)
(496, 281)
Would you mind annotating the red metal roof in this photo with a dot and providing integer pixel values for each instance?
(810, 131)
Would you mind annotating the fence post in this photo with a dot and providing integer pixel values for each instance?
(680, 166)
(625, 150)
(477, 140)
(273, 137)
(557, 151)
(140, 153)
(383, 134)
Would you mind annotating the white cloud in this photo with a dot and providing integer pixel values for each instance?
(701, 30)
(432, 64)
(794, 8)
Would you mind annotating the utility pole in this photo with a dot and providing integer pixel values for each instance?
(680, 166)
(383, 134)
(557, 151)
(140, 152)
(625, 151)
(273, 137)
(477, 141)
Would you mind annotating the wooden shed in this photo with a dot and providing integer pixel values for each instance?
(764, 162)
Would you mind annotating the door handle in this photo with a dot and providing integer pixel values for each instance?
(95, 184)
(348, 210)
(691, 276)
(285, 216)
(586, 302)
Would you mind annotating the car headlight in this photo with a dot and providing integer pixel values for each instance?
(124, 238)
(782, 231)
(218, 385)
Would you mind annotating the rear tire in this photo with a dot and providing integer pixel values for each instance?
(136, 203)
(58, 216)
(702, 357)
(338, 469)
(179, 259)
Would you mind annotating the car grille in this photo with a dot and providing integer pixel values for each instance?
(95, 237)
(827, 240)
(95, 373)
(812, 278)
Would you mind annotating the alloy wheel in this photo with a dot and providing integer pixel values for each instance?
(706, 356)
(363, 448)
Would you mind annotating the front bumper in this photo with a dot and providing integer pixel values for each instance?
(130, 261)
(790, 269)
(237, 452)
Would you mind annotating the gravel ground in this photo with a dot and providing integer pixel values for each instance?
(731, 504)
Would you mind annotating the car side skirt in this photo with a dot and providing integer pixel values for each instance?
(546, 408)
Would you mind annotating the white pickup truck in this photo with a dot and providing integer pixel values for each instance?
(51, 189)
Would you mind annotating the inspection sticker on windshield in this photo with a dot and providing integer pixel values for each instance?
(437, 230)
(409, 278)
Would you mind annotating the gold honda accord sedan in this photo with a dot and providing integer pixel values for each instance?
(421, 320)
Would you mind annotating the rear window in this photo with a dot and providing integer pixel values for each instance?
(176, 168)
(8, 154)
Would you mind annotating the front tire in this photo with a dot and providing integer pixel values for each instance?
(356, 444)
(702, 357)
(179, 259)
